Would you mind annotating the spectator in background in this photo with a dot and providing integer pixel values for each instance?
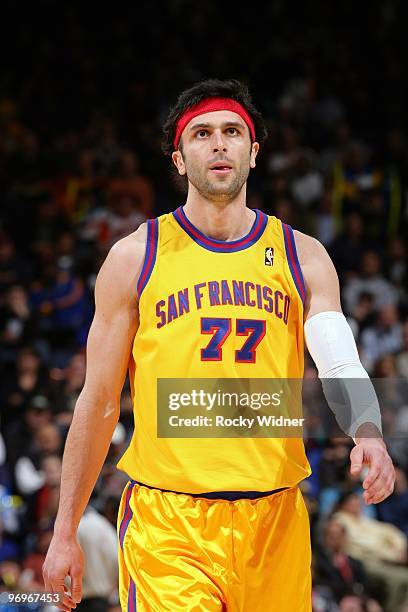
(65, 385)
(4, 472)
(385, 337)
(396, 264)
(335, 569)
(50, 223)
(8, 547)
(286, 157)
(49, 439)
(98, 540)
(334, 152)
(27, 378)
(28, 472)
(395, 425)
(375, 210)
(363, 314)
(381, 547)
(332, 470)
(307, 184)
(394, 509)
(354, 603)
(103, 136)
(17, 327)
(63, 301)
(67, 382)
(385, 367)
(11, 510)
(80, 192)
(392, 393)
(129, 182)
(370, 281)
(359, 176)
(325, 224)
(31, 576)
(20, 435)
(14, 269)
(111, 479)
(9, 576)
(65, 249)
(47, 496)
(123, 218)
(397, 152)
(283, 209)
(107, 225)
(402, 357)
(347, 248)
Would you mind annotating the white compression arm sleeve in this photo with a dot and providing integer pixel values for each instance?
(332, 347)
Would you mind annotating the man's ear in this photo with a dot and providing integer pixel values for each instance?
(178, 161)
(254, 153)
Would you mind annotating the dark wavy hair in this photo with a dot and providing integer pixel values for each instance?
(211, 88)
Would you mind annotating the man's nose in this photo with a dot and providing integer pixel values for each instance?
(219, 143)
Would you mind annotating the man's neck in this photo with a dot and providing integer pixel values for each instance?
(220, 220)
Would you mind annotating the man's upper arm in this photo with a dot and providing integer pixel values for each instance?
(319, 273)
(115, 321)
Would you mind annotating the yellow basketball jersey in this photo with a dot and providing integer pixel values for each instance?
(215, 309)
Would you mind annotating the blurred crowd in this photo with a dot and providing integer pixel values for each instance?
(78, 172)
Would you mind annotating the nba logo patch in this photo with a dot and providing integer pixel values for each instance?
(269, 256)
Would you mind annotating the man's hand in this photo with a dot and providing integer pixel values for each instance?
(379, 482)
(64, 558)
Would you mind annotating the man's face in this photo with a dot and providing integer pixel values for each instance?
(216, 155)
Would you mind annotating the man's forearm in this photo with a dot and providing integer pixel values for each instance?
(346, 385)
(86, 447)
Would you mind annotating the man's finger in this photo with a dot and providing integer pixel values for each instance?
(68, 597)
(382, 493)
(356, 457)
(377, 477)
(373, 473)
(385, 469)
(378, 497)
(76, 584)
(379, 486)
(66, 602)
(370, 500)
(57, 586)
(381, 489)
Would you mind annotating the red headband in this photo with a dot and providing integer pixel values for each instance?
(207, 106)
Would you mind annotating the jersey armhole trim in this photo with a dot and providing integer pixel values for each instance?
(293, 261)
(150, 254)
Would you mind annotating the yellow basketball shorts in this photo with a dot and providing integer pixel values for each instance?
(192, 554)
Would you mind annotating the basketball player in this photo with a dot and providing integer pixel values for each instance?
(212, 290)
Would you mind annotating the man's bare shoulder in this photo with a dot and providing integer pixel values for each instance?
(121, 269)
(320, 276)
(308, 248)
(131, 246)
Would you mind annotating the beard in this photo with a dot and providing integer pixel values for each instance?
(214, 188)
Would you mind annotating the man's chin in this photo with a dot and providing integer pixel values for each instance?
(223, 184)
(224, 188)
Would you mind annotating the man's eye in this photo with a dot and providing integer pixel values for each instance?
(232, 131)
(201, 133)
